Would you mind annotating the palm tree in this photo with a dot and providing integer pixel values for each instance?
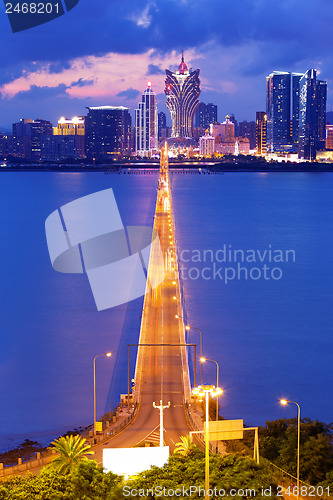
(71, 450)
(186, 446)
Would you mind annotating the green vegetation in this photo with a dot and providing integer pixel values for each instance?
(186, 446)
(226, 473)
(86, 481)
(27, 450)
(278, 444)
(71, 451)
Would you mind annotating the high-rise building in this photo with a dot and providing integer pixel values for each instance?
(70, 126)
(200, 116)
(33, 130)
(146, 125)
(329, 136)
(278, 86)
(211, 113)
(248, 130)
(161, 118)
(108, 132)
(182, 89)
(62, 147)
(321, 113)
(296, 77)
(261, 120)
(312, 115)
(205, 115)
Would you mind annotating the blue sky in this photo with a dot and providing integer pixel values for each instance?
(104, 51)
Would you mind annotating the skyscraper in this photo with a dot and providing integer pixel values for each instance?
(182, 89)
(32, 131)
(296, 77)
(211, 113)
(205, 115)
(146, 126)
(278, 111)
(261, 120)
(108, 132)
(161, 118)
(312, 115)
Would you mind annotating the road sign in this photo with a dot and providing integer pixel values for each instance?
(225, 430)
(98, 427)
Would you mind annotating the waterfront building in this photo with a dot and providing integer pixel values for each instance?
(182, 89)
(206, 145)
(248, 130)
(32, 131)
(321, 113)
(224, 131)
(70, 126)
(108, 132)
(146, 124)
(62, 147)
(161, 119)
(312, 115)
(329, 136)
(261, 120)
(278, 111)
(294, 132)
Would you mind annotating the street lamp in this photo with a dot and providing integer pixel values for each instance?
(188, 327)
(201, 391)
(202, 361)
(108, 354)
(285, 402)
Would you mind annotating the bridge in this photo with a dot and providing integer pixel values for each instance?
(161, 372)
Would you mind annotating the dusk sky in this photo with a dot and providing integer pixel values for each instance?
(104, 51)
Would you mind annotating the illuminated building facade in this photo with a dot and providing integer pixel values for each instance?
(329, 136)
(261, 120)
(182, 89)
(146, 124)
(206, 145)
(73, 126)
(32, 131)
(278, 85)
(312, 115)
(108, 132)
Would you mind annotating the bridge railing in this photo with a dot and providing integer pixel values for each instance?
(44, 458)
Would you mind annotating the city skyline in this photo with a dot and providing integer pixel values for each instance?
(234, 56)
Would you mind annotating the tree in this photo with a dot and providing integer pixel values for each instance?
(186, 446)
(227, 473)
(71, 451)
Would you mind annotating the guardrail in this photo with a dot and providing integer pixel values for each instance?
(44, 458)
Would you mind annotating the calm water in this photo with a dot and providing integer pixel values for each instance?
(272, 338)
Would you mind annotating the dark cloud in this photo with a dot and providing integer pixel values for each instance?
(154, 70)
(40, 93)
(82, 83)
(128, 94)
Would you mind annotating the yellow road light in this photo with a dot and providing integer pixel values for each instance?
(283, 401)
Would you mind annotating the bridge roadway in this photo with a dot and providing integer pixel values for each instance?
(162, 371)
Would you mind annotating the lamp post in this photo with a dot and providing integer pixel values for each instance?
(285, 402)
(201, 391)
(202, 361)
(188, 327)
(108, 354)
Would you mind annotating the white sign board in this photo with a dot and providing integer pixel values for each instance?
(131, 461)
(225, 430)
